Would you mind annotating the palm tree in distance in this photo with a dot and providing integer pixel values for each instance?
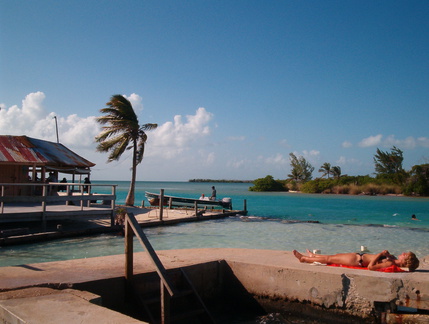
(121, 131)
(325, 169)
(336, 171)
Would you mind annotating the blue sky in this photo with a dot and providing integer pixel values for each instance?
(235, 86)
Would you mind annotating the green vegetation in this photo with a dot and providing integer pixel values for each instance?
(301, 170)
(390, 178)
(389, 165)
(327, 170)
(223, 181)
(267, 184)
(417, 182)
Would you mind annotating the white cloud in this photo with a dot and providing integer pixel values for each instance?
(423, 141)
(346, 144)
(33, 120)
(136, 101)
(173, 138)
(236, 138)
(20, 120)
(78, 131)
(407, 143)
(371, 141)
(344, 161)
(278, 159)
(210, 158)
(312, 153)
(285, 143)
(341, 161)
(168, 140)
(184, 139)
(237, 164)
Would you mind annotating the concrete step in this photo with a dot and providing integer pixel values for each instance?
(62, 307)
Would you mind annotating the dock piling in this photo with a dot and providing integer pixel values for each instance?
(161, 204)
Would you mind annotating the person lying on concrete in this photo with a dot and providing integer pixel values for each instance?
(365, 260)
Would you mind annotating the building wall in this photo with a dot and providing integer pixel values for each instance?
(14, 174)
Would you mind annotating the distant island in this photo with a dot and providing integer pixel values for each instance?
(224, 181)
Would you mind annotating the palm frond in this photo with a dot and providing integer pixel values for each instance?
(117, 150)
(148, 127)
(112, 143)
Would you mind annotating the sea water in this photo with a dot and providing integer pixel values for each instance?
(278, 221)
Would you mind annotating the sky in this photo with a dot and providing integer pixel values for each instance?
(234, 86)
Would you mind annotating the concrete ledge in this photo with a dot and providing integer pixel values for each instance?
(43, 291)
(49, 306)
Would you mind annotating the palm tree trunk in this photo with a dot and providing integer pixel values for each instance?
(130, 197)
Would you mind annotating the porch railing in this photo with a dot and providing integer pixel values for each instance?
(43, 194)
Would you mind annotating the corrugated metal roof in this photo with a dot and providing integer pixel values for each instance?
(27, 150)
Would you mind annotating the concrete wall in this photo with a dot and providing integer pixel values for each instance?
(364, 294)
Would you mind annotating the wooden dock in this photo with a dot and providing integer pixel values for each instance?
(32, 218)
(92, 224)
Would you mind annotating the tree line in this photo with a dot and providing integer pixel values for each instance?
(220, 180)
(389, 178)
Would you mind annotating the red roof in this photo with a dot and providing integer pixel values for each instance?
(26, 150)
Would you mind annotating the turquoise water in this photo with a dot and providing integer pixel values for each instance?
(333, 209)
(274, 221)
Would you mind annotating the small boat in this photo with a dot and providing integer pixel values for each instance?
(182, 202)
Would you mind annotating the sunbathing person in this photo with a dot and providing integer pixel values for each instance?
(365, 260)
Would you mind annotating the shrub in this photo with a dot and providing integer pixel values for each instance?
(355, 190)
(267, 184)
(341, 190)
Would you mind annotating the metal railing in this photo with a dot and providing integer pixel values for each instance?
(167, 289)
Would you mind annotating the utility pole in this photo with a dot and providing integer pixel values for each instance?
(56, 128)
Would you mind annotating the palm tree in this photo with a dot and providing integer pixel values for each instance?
(336, 171)
(122, 132)
(325, 169)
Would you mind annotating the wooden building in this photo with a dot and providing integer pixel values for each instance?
(24, 160)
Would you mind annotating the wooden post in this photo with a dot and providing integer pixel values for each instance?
(196, 208)
(44, 193)
(2, 202)
(245, 205)
(161, 204)
(68, 193)
(81, 195)
(129, 262)
(112, 206)
(165, 305)
(128, 251)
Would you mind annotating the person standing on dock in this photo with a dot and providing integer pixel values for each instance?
(213, 196)
(86, 188)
